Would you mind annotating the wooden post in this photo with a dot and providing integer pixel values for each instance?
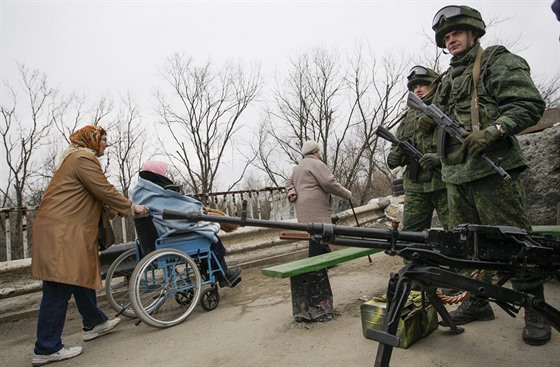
(123, 226)
(25, 243)
(8, 236)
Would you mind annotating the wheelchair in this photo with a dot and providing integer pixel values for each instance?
(161, 280)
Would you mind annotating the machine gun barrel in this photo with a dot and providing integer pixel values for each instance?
(451, 127)
(499, 248)
(327, 231)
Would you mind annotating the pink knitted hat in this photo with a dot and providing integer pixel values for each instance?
(157, 167)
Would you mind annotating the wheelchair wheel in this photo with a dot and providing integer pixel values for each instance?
(185, 298)
(117, 282)
(210, 298)
(157, 280)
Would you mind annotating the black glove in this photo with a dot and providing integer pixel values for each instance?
(478, 140)
(426, 124)
(429, 161)
(394, 158)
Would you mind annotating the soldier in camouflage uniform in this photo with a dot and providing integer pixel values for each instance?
(506, 102)
(423, 187)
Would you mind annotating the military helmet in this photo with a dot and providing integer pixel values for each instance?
(454, 17)
(420, 75)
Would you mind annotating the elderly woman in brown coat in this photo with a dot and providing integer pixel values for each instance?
(65, 252)
(310, 187)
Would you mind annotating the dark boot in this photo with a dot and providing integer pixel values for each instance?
(473, 309)
(231, 279)
(537, 328)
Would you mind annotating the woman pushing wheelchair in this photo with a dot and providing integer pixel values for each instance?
(156, 191)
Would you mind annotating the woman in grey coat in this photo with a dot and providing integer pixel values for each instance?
(310, 188)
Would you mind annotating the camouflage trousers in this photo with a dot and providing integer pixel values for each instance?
(419, 209)
(492, 200)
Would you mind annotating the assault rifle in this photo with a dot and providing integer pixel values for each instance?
(451, 127)
(512, 252)
(408, 149)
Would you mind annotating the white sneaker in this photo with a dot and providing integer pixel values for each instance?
(102, 329)
(64, 353)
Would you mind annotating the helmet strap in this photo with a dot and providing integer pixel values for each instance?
(431, 89)
(472, 37)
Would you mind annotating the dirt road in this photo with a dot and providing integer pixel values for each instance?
(253, 326)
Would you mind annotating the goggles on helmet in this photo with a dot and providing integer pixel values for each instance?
(417, 71)
(453, 11)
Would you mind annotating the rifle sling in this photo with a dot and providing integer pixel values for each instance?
(475, 116)
(441, 138)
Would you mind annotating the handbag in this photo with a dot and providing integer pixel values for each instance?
(106, 237)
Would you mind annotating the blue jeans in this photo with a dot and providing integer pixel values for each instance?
(52, 314)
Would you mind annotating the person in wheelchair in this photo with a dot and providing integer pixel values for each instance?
(156, 191)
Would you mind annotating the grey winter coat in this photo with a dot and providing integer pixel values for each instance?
(313, 183)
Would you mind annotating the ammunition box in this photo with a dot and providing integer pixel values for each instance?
(415, 322)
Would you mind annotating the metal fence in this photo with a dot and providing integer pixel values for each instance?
(266, 203)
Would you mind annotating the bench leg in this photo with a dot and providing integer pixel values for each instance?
(312, 296)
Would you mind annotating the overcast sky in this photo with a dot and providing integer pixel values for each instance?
(116, 46)
(112, 47)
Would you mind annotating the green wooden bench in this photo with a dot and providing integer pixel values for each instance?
(309, 281)
(553, 230)
(315, 263)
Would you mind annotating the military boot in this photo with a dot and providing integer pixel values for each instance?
(537, 328)
(473, 309)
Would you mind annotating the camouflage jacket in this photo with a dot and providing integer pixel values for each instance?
(506, 96)
(425, 181)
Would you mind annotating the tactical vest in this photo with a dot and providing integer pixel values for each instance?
(454, 96)
(425, 181)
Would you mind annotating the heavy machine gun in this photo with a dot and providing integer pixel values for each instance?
(509, 251)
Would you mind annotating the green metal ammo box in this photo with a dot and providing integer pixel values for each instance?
(415, 323)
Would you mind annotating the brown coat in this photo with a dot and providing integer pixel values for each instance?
(65, 232)
(313, 183)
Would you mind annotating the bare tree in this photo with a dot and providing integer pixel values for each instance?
(550, 90)
(68, 113)
(307, 103)
(202, 114)
(340, 109)
(269, 160)
(378, 92)
(24, 131)
(306, 106)
(131, 145)
(72, 112)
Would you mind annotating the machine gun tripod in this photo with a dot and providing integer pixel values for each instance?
(512, 252)
(429, 278)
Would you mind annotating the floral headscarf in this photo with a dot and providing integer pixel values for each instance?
(88, 136)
